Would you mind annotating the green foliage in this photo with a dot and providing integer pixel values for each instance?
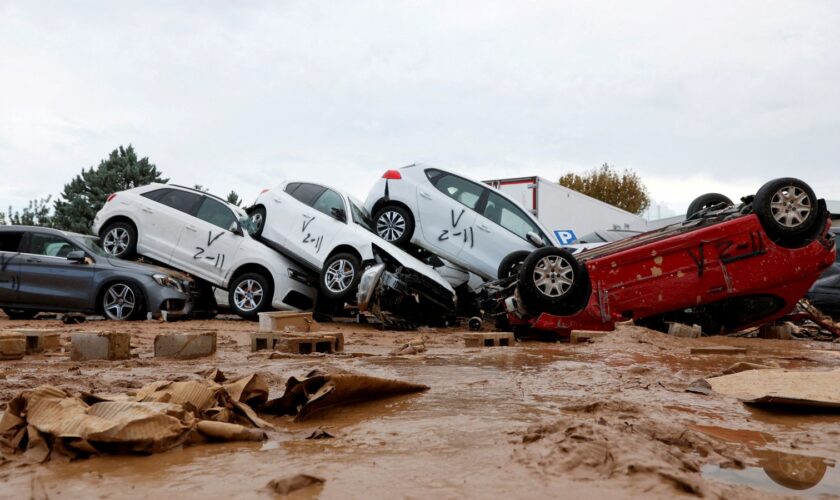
(199, 187)
(234, 198)
(86, 193)
(37, 213)
(624, 190)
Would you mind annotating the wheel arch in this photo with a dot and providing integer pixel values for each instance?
(384, 202)
(100, 292)
(118, 218)
(253, 267)
(344, 248)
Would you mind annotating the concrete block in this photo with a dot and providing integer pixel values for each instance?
(681, 330)
(40, 339)
(100, 345)
(12, 345)
(288, 322)
(328, 343)
(489, 339)
(189, 345)
(583, 336)
(783, 332)
(262, 340)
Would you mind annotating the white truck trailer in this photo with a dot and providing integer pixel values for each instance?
(565, 212)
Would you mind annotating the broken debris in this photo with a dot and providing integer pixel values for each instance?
(782, 388)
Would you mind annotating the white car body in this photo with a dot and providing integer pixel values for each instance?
(310, 234)
(203, 248)
(461, 220)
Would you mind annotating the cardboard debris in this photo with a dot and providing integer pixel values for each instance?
(318, 391)
(223, 431)
(782, 388)
(415, 346)
(286, 485)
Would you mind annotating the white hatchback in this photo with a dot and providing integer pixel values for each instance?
(463, 221)
(206, 237)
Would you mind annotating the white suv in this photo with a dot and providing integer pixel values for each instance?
(463, 221)
(207, 237)
(329, 232)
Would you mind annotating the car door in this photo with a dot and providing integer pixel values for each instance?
(446, 212)
(9, 265)
(318, 215)
(163, 215)
(209, 241)
(502, 228)
(48, 280)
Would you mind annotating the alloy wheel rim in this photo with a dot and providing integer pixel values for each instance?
(119, 302)
(390, 226)
(116, 241)
(339, 275)
(553, 276)
(248, 295)
(790, 206)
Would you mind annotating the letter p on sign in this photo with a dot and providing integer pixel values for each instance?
(565, 236)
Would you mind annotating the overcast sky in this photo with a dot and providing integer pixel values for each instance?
(694, 96)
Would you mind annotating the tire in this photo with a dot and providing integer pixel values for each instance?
(122, 301)
(340, 277)
(788, 210)
(551, 280)
(258, 216)
(705, 201)
(20, 313)
(249, 295)
(119, 239)
(394, 224)
(511, 263)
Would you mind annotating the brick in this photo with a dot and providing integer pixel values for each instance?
(12, 345)
(718, 350)
(100, 345)
(784, 332)
(188, 345)
(288, 322)
(489, 339)
(330, 342)
(40, 339)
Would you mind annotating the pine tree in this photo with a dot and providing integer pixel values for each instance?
(234, 198)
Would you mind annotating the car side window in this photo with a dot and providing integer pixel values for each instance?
(506, 214)
(10, 241)
(49, 245)
(216, 213)
(180, 200)
(156, 194)
(329, 202)
(461, 190)
(306, 193)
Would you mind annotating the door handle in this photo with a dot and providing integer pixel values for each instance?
(483, 228)
(425, 195)
(148, 210)
(192, 228)
(33, 259)
(277, 200)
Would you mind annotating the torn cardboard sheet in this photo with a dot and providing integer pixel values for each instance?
(782, 388)
(318, 391)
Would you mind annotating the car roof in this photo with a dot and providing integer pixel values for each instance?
(35, 229)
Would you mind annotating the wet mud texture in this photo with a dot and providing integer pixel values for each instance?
(608, 419)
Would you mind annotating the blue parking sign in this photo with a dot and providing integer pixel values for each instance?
(565, 236)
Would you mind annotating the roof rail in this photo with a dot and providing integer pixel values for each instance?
(200, 191)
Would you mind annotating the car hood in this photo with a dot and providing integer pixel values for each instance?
(144, 268)
(405, 259)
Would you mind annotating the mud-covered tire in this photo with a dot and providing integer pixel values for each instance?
(257, 215)
(394, 224)
(705, 201)
(122, 301)
(340, 277)
(20, 313)
(250, 294)
(119, 239)
(511, 264)
(788, 210)
(551, 280)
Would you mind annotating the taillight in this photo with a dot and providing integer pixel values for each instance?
(264, 190)
(392, 174)
(111, 197)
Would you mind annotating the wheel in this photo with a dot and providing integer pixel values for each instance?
(551, 280)
(394, 224)
(20, 313)
(249, 295)
(511, 263)
(119, 239)
(258, 217)
(340, 276)
(122, 301)
(705, 201)
(787, 209)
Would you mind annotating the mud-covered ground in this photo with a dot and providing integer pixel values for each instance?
(609, 418)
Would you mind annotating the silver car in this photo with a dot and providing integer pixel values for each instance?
(47, 270)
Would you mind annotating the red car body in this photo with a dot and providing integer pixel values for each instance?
(727, 268)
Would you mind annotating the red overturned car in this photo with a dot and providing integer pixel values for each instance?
(727, 267)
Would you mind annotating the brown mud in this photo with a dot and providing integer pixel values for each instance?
(606, 419)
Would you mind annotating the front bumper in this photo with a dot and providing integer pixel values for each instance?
(404, 297)
(165, 298)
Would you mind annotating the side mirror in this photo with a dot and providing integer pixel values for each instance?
(76, 256)
(235, 228)
(339, 214)
(535, 239)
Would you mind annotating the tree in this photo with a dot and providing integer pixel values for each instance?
(86, 193)
(37, 213)
(234, 198)
(624, 190)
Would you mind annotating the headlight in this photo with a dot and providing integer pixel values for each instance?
(166, 280)
(366, 285)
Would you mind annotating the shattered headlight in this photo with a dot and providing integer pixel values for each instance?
(367, 284)
(166, 280)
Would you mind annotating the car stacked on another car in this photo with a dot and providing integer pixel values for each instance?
(207, 237)
(47, 270)
(825, 294)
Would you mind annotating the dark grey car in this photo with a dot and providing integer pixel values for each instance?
(46, 270)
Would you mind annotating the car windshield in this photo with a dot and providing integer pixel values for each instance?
(361, 216)
(91, 244)
(248, 224)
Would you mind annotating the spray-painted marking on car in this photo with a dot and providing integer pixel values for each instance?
(467, 233)
(307, 220)
(219, 259)
(315, 241)
(4, 264)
